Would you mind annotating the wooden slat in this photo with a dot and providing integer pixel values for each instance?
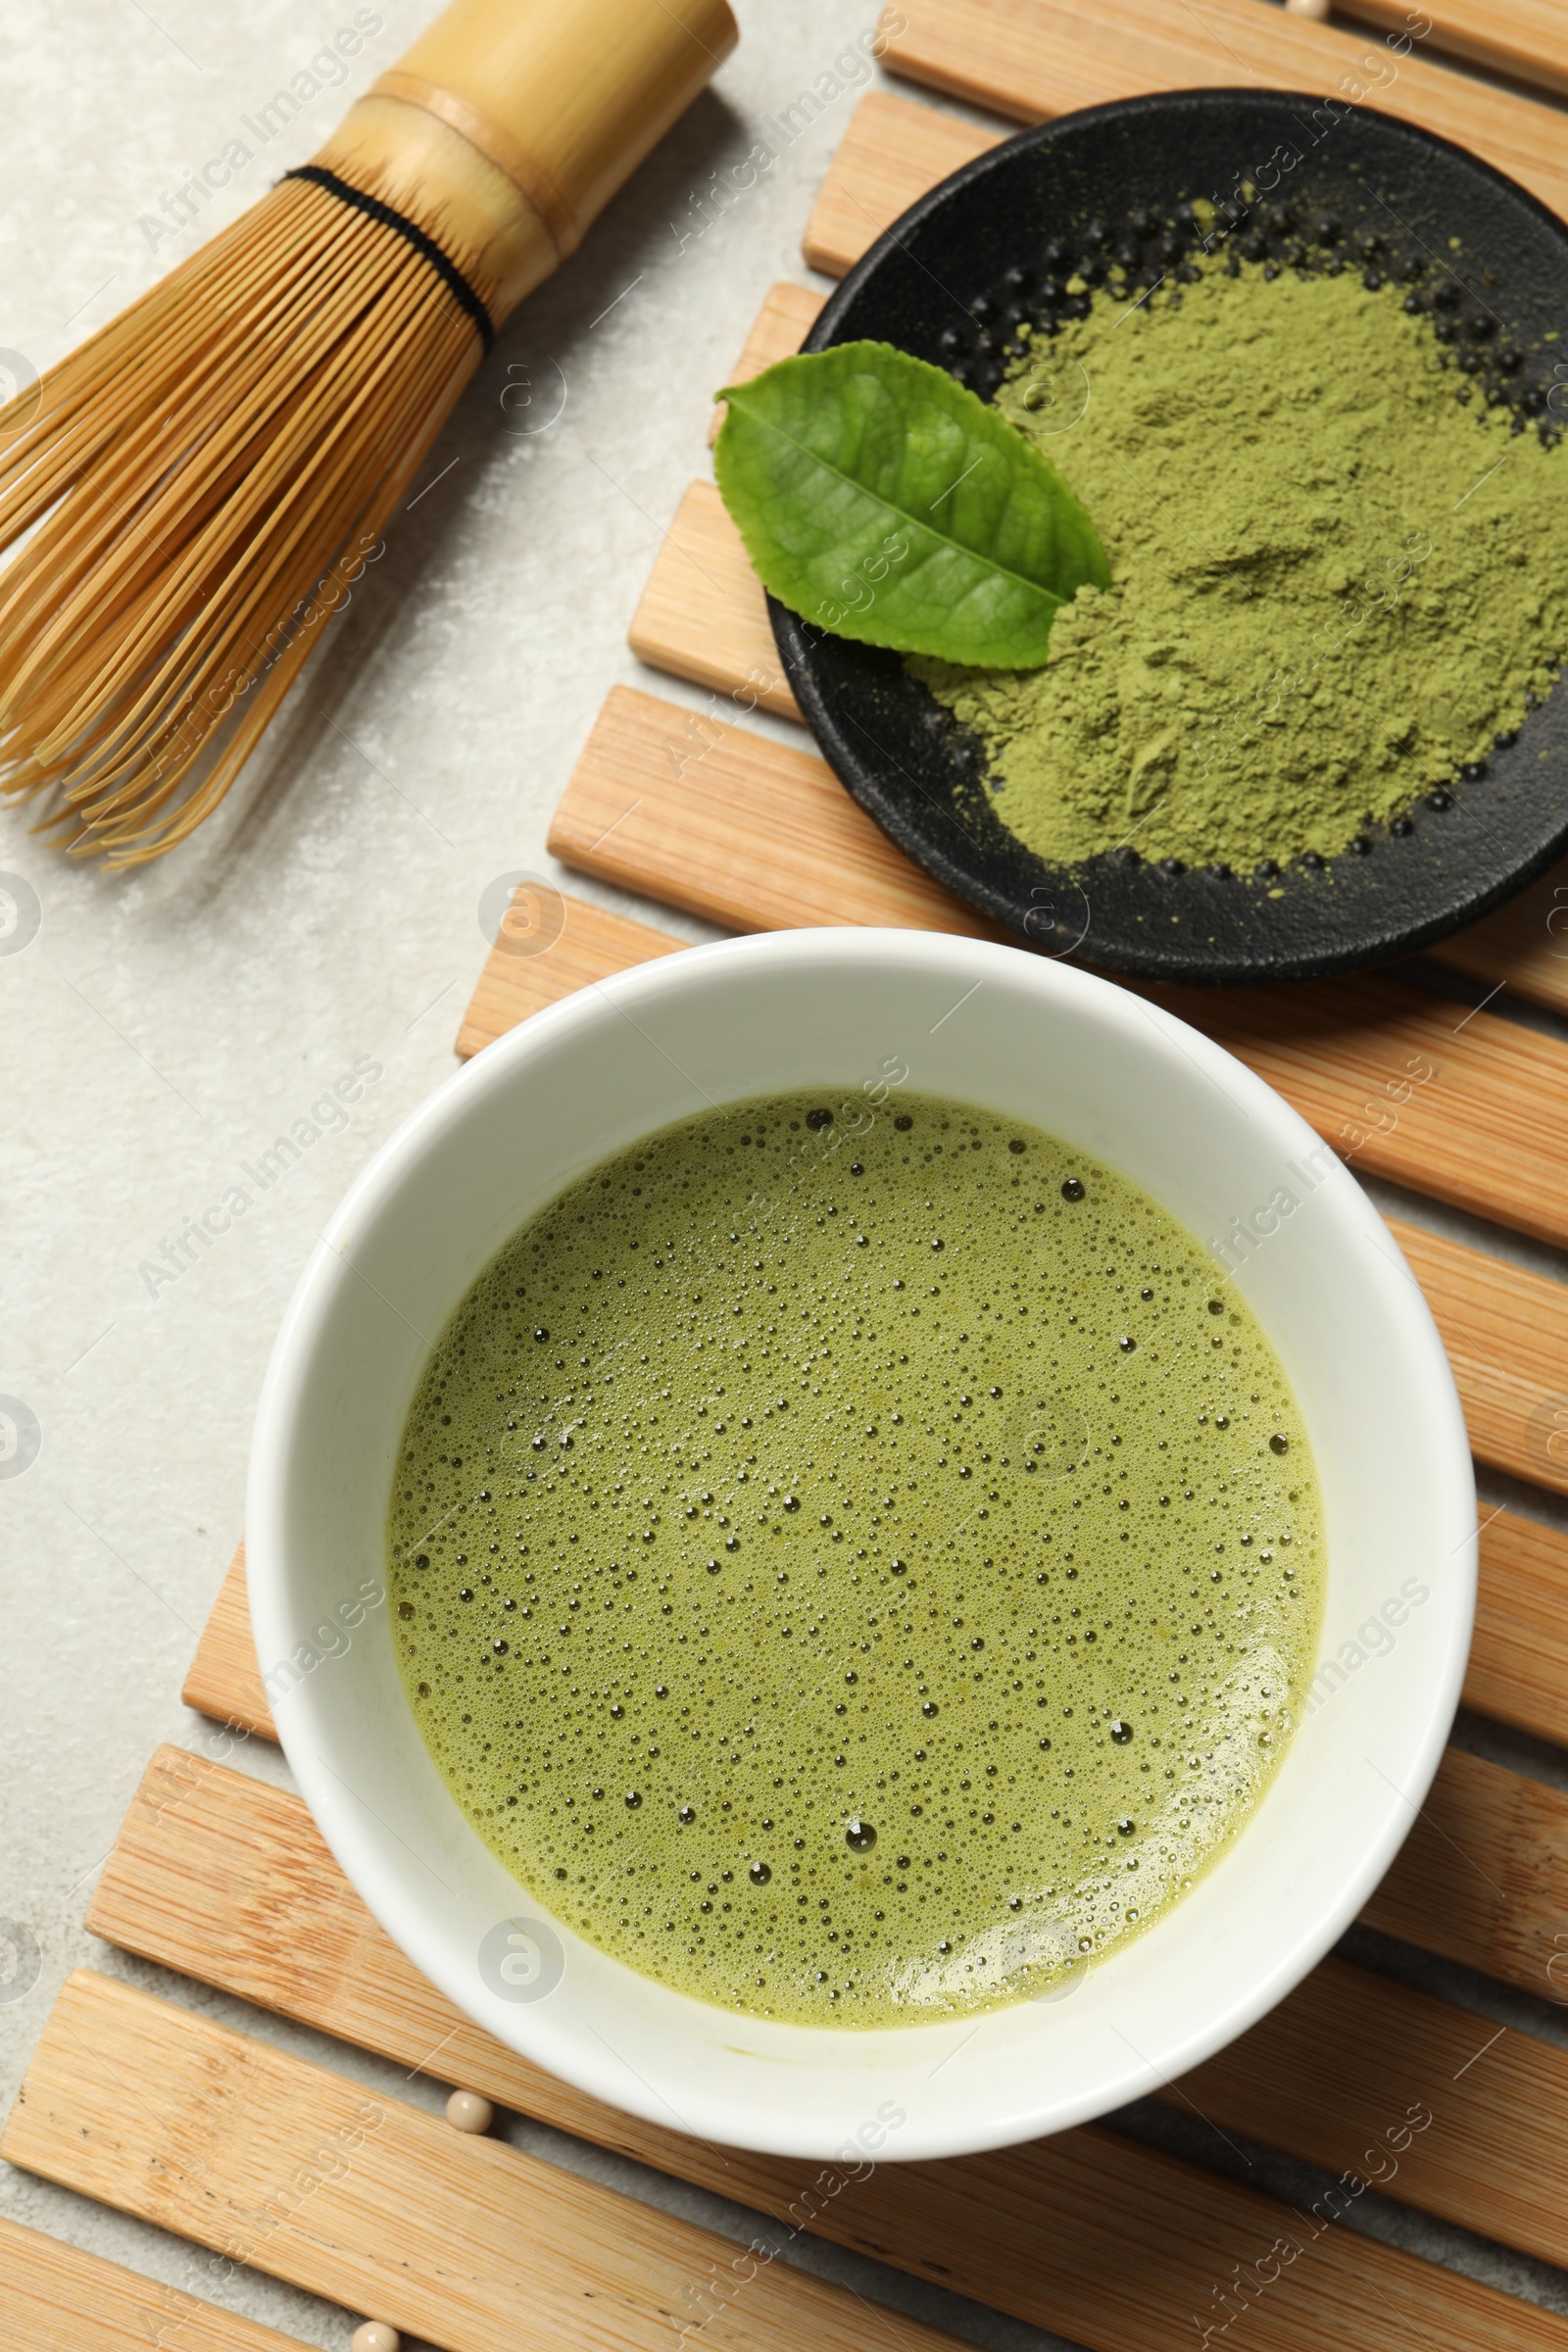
(890, 155)
(1030, 58)
(1493, 2155)
(1525, 39)
(225, 1679)
(1486, 1122)
(591, 943)
(787, 317)
(685, 622)
(463, 2242)
(1506, 1334)
(1483, 1878)
(505, 994)
(1084, 2232)
(791, 847)
(1524, 945)
(734, 636)
(760, 836)
(228, 1880)
(56, 2299)
(1518, 1669)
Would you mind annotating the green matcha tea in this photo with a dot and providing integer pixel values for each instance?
(853, 1563)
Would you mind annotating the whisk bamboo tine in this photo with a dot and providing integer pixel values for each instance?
(349, 501)
(155, 334)
(141, 460)
(189, 487)
(286, 567)
(140, 442)
(336, 504)
(198, 490)
(222, 500)
(130, 845)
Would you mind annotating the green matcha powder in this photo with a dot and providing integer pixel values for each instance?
(1338, 576)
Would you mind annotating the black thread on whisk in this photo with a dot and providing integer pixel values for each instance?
(411, 233)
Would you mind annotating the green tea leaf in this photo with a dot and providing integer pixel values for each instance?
(880, 500)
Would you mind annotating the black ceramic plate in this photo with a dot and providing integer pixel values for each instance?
(953, 281)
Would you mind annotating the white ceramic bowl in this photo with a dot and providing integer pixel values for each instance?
(1005, 1031)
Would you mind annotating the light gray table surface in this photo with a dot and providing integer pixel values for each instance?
(164, 1026)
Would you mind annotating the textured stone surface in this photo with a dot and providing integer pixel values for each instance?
(162, 1028)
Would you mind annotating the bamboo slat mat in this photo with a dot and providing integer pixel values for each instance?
(58, 2300)
(380, 2206)
(1030, 58)
(228, 1880)
(383, 2208)
(498, 2252)
(1525, 39)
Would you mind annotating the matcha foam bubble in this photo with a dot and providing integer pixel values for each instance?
(851, 1565)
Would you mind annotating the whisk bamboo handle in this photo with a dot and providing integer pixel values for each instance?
(584, 95)
(521, 119)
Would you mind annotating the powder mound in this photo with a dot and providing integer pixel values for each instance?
(1338, 576)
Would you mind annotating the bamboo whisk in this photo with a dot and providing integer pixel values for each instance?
(206, 477)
